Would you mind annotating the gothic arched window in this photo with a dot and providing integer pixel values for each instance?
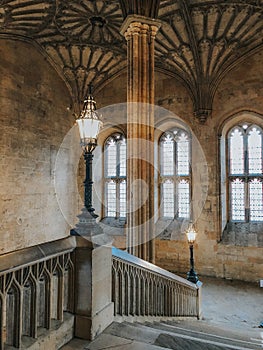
(245, 173)
(115, 176)
(175, 174)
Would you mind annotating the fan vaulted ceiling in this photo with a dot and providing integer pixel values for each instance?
(199, 40)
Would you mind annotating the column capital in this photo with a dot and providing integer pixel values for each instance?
(137, 21)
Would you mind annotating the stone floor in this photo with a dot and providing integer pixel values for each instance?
(234, 303)
(231, 310)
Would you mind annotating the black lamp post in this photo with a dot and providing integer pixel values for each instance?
(89, 125)
(191, 235)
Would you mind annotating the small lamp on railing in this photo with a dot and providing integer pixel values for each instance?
(89, 125)
(191, 236)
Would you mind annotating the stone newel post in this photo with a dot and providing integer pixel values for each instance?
(93, 304)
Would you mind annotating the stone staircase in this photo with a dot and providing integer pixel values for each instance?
(178, 335)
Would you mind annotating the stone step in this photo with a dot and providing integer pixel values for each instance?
(238, 335)
(204, 333)
(110, 342)
(171, 336)
(175, 335)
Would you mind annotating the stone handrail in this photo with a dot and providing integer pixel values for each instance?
(35, 290)
(140, 288)
(37, 286)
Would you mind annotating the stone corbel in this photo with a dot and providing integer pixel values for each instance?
(203, 100)
(202, 114)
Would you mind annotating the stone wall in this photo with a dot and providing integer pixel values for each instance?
(241, 90)
(33, 121)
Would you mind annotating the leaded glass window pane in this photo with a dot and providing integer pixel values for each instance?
(238, 200)
(122, 148)
(168, 199)
(167, 161)
(123, 199)
(245, 154)
(115, 182)
(111, 156)
(255, 151)
(183, 155)
(236, 152)
(183, 199)
(175, 173)
(111, 198)
(256, 200)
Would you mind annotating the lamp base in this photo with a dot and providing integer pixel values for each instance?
(192, 276)
(87, 225)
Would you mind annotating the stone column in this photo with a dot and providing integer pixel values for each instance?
(140, 34)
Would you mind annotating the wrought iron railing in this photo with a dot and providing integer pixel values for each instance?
(33, 293)
(140, 288)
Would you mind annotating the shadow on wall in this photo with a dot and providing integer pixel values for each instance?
(247, 234)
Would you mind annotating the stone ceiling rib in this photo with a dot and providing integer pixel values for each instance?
(147, 8)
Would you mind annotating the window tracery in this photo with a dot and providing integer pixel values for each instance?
(175, 174)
